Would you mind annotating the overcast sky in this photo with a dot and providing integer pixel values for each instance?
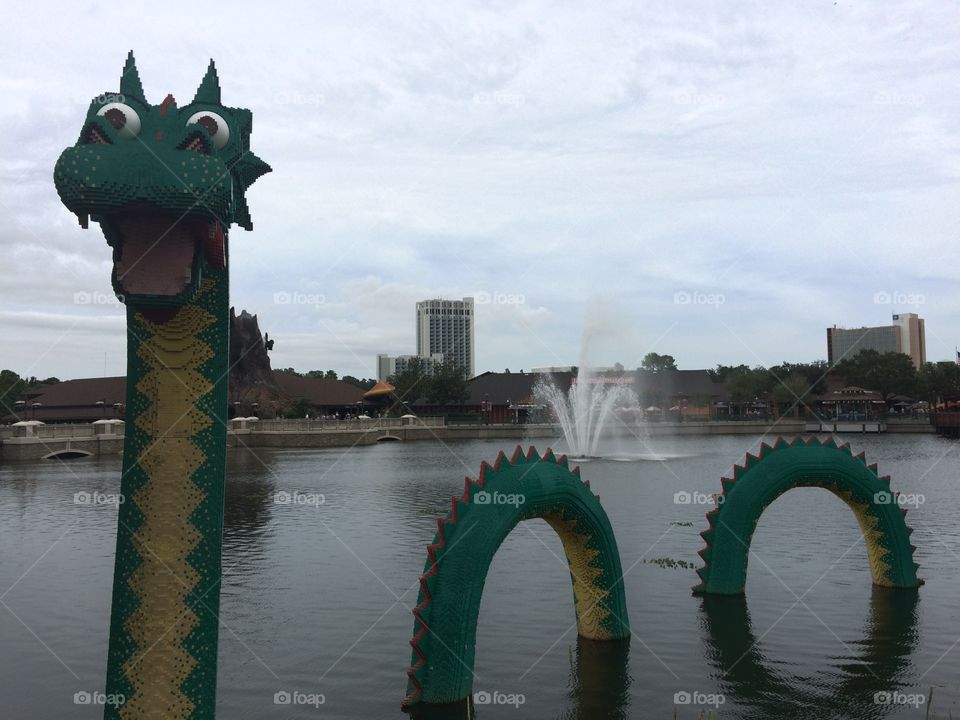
(716, 181)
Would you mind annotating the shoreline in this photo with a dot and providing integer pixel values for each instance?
(56, 442)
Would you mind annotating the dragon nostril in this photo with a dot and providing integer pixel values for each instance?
(197, 145)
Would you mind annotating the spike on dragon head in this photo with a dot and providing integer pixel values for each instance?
(165, 184)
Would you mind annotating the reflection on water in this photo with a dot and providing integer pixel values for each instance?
(876, 663)
(599, 687)
(316, 599)
(600, 680)
(247, 504)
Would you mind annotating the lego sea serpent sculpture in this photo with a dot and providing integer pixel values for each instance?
(521, 488)
(452, 583)
(810, 462)
(165, 184)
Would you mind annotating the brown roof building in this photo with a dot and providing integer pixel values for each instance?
(322, 393)
(82, 400)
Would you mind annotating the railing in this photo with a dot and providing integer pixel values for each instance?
(64, 431)
(316, 425)
(48, 432)
(946, 419)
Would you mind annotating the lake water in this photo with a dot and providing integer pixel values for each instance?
(316, 599)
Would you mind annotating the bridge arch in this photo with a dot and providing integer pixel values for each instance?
(67, 454)
(523, 487)
(805, 463)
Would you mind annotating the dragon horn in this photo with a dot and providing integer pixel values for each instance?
(209, 90)
(130, 80)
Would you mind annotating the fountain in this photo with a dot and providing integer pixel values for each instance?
(584, 409)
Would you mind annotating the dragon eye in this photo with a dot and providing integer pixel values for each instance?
(123, 118)
(213, 124)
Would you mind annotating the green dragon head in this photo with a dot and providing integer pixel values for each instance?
(165, 184)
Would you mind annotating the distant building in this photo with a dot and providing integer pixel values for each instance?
(844, 343)
(906, 335)
(913, 339)
(447, 327)
(387, 365)
(429, 364)
(553, 369)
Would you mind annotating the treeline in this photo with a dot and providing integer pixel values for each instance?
(890, 374)
(446, 386)
(365, 383)
(12, 387)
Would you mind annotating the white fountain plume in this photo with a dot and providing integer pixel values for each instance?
(584, 409)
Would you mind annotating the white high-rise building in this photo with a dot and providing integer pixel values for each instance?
(446, 326)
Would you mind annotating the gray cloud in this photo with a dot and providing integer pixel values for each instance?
(796, 160)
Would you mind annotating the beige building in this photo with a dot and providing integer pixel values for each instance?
(912, 337)
(906, 335)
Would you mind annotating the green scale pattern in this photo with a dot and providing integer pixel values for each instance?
(169, 171)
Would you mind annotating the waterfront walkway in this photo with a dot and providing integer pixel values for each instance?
(33, 441)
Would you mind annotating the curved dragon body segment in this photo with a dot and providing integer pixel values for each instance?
(805, 463)
(521, 488)
(165, 184)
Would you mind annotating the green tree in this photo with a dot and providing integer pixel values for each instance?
(745, 383)
(300, 408)
(330, 375)
(815, 373)
(412, 382)
(11, 387)
(654, 362)
(936, 380)
(448, 386)
(365, 383)
(889, 373)
(793, 391)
